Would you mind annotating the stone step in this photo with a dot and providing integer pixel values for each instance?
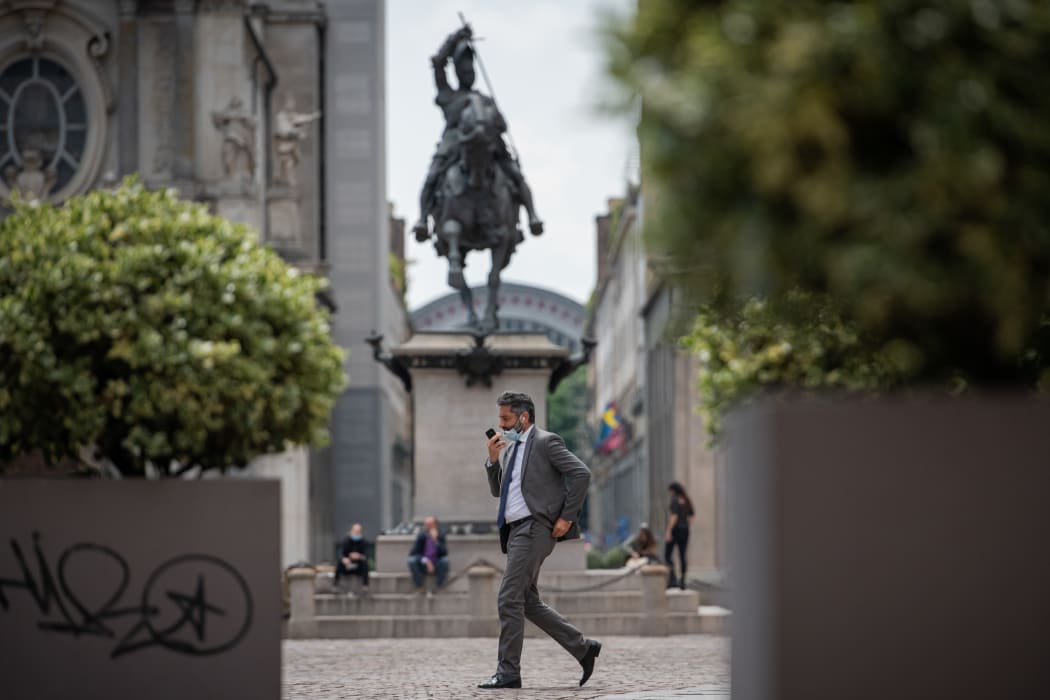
(391, 626)
(453, 603)
(590, 579)
(379, 582)
(429, 626)
(615, 602)
(393, 604)
(550, 583)
(714, 619)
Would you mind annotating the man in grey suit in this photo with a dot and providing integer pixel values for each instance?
(541, 487)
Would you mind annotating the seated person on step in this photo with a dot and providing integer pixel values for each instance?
(643, 547)
(353, 557)
(429, 555)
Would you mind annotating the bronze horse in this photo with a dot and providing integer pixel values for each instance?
(477, 208)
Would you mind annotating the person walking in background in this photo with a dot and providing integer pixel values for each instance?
(677, 535)
(429, 555)
(541, 487)
(353, 557)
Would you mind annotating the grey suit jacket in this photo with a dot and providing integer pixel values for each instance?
(553, 481)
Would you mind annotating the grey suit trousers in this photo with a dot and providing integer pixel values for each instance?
(529, 544)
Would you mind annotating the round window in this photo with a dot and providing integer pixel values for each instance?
(43, 125)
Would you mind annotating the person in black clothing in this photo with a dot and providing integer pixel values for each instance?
(678, 530)
(353, 557)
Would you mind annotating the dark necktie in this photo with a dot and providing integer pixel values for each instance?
(505, 486)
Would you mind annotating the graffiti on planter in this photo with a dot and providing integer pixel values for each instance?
(193, 604)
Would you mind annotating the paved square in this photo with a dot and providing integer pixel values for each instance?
(629, 667)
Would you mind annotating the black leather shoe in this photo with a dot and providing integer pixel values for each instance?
(501, 681)
(588, 659)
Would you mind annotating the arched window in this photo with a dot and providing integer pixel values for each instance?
(43, 126)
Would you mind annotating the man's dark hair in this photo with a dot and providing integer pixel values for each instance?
(518, 403)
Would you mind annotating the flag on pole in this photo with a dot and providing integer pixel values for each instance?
(611, 432)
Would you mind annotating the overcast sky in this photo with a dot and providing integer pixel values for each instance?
(546, 69)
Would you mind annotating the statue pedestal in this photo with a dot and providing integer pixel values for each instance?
(284, 215)
(455, 383)
(238, 202)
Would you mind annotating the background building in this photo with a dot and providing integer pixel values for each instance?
(648, 432)
(363, 472)
(235, 104)
(620, 486)
(521, 308)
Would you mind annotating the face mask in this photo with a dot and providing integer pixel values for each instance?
(514, 434)
(355, 538)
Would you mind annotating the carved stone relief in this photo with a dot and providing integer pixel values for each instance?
(32, 180)
(289, 130)
(238, 140)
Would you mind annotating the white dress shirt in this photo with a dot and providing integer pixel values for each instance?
(516, 508)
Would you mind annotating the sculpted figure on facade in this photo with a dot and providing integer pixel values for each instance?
(32, 181)
(289, 130)
(238, 140)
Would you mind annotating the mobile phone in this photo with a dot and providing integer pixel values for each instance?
(489, 433)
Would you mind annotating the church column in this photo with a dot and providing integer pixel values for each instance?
(183, 115)
(128, 92)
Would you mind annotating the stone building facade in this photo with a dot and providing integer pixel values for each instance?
(639, 367)
(272, 113)
(619, 499)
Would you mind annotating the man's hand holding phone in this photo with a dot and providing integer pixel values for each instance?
(495, 444)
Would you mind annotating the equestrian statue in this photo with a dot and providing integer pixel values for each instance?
(474, 188)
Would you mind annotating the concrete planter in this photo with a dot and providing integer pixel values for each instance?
(890, 548)
(139, 589)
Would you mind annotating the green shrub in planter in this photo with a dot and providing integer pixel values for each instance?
(140, 324)
(614, 558)
(800, 341)
(891, 156)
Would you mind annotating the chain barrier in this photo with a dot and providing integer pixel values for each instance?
(481, 561)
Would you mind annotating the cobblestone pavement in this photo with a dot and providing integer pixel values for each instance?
(629, 668)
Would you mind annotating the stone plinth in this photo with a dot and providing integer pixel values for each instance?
(292, 468)
(451, 416)
(237, 202)
(284, 213)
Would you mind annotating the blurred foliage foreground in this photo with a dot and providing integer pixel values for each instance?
(856, 194)
(161, 336)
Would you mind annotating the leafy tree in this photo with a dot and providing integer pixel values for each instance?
(141, 325)
(888, 159)
(567, 411)
(398, 274)
(567, 416)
